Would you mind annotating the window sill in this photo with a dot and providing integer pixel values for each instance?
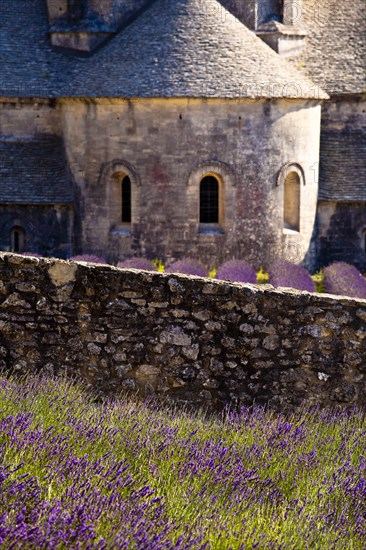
(287, 231)
(210, 229)
(124, 231)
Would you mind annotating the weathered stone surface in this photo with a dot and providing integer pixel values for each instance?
(271, 342)
(176, 337)
(25, 287)
(248, 329)
(147, 371)
(201, 315)
(62, 273)
(15, 300)
(191, 352)
(196, 352)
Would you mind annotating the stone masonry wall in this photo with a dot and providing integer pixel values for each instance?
(184, 339)
(166, 146)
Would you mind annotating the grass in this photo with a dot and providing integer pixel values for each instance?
(78, 474)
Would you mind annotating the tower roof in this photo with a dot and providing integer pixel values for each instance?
(174, 48)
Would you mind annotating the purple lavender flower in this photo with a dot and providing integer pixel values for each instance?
(238, 271)
(344, 279)
(287, 274)
(137, 263)
(124, 474)
(90, 258)
(188, 266)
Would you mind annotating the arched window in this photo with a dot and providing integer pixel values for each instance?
(209, 200)
(121, 182)
(17, 238)
(291, 207)
(126, 199)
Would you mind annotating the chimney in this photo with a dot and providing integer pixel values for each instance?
(279, 26)
(82, 26)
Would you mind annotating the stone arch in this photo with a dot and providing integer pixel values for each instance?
(215, 168)
(18, 238)
(225, 177)
(112, 177)
(122, 166)
(285, 171)
(13, 219)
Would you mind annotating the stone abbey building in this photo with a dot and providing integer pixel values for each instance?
(165, 128)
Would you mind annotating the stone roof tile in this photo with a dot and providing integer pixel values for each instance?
(335, 54)
(343, 165)
(175, 48)
(34, 172)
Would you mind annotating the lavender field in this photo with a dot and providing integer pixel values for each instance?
(78, 474)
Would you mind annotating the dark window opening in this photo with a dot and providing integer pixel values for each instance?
(17, 239)
(77, 9)
(209, 200)
(270, 10)
(126, 200)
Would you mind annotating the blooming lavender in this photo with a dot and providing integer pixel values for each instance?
(188, 266)
(287, 274)
(90, 258)
(124, 474)
(137, 263)
(238, 271)
(344, 279)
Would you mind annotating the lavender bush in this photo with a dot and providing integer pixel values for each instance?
(286, 274)
(344, 279)
(238, 271)
(137, 263)
(124, 475)
(188, 266)
(91, 258)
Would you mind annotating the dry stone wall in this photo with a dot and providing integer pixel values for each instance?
(184, 339)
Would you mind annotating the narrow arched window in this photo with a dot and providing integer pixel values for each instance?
(126, 199)
(209, 200)
(291, 210)
(17, 238)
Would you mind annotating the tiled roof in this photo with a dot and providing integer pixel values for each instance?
(343, 166)
(335, 55)
(175, 48)
(34, 172)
